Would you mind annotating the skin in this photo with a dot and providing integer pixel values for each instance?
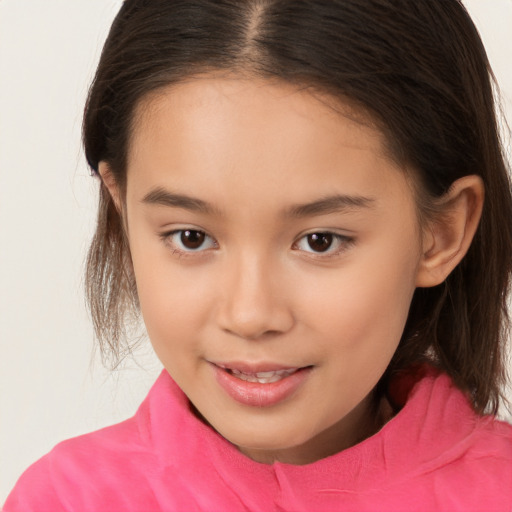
(256, 290)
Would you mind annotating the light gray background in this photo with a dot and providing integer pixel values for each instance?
(51, 386)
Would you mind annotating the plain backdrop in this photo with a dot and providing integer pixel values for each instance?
(52, 386)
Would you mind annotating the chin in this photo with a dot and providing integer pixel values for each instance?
(272, 438)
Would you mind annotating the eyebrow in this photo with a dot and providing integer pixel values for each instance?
(331, 204)
(162, 197)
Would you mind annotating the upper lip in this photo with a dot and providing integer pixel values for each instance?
(246, 367)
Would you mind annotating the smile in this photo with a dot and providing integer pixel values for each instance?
(260, 386)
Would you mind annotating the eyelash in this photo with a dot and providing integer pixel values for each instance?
(343, 243)
(167, 238)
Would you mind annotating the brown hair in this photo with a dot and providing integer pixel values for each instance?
(417, 67)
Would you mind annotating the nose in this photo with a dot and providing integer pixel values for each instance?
(253, 303)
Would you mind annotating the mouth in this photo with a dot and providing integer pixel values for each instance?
(260, 385)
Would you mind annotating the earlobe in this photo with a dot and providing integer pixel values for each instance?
(448, 237)
(110, 183)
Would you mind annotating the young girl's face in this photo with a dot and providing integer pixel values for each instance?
(276, 250)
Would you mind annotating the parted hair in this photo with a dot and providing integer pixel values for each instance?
(417, 68)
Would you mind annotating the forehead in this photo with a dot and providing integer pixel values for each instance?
(261, 104)
(258, 137)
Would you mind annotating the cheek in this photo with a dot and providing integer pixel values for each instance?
(170, 308)
(172, 298)
(366, 303)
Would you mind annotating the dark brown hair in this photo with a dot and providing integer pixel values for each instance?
(418, 68)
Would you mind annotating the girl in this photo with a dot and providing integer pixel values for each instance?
(308, 203)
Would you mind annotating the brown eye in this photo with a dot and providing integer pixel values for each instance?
(324, 244)
(320, 242)
(192, 239)
(188, 241)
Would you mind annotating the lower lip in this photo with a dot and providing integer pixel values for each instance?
(260, 395)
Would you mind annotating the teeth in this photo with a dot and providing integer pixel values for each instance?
(263, 377)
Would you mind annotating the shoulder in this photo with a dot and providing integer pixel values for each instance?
(476, 474)
(474, 469)
(114, 468)
(453, 431)
(76, 468)
(491, 446)
(452, 457)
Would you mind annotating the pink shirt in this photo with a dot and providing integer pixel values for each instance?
(435, 454)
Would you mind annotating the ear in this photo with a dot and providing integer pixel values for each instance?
(110, 182)
(447, 238)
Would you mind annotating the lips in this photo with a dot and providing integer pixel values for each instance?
(259, 385)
